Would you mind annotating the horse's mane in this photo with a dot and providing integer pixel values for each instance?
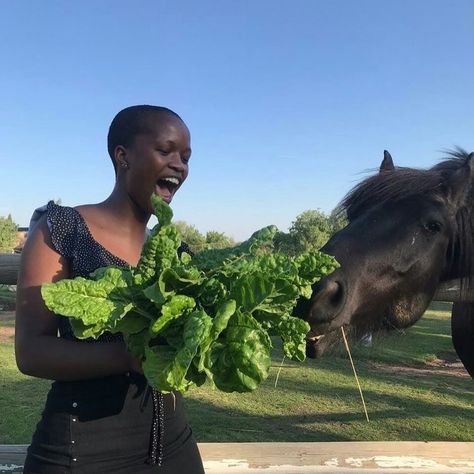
(401, 183)
(454, 160)
(405, 183)
(390, 186)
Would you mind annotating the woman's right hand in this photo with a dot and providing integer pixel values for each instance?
(135, 364)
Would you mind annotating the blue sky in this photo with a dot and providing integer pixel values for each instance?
(289, 102)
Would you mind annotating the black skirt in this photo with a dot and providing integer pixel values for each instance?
(106, 426)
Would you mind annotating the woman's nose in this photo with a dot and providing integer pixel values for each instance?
(176, 162)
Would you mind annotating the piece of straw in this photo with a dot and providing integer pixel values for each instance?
(279, 370)
(355, 373)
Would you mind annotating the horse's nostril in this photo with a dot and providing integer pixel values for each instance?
(337, 293)
(332, 292)
(327, 301)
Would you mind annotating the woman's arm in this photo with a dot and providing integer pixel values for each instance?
(38, 349)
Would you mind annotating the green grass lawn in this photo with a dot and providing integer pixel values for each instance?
(410, 395)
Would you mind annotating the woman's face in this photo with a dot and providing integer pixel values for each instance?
(157, 161)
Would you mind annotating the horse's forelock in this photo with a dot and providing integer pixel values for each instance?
(392, 186)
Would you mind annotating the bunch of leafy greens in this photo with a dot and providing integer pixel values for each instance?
(192, 319)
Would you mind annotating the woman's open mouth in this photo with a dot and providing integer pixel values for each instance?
(166, 187)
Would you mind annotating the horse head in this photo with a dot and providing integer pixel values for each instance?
(408, 230)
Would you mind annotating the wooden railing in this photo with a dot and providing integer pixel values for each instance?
(9, 266)
(327, 457)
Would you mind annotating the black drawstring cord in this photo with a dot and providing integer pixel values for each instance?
(155, 450)
(145, 397)
(157, 428)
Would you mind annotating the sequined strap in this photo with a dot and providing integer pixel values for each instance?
(157, 429)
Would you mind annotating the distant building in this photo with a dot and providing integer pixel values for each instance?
(21, 234)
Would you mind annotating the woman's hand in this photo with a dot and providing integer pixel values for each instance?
(135, 364)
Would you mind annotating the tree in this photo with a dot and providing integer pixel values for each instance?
(189, 234)
(218, 240)
(310, 231)
(198, 242)
(8, 231)
(285, 243)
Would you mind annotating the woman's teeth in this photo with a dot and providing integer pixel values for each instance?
(174, 181)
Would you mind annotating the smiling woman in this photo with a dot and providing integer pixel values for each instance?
(149, 156)
(100, 414)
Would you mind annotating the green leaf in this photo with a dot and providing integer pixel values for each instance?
(211, 292)
(132, 323)
(93, 302)
(166, 368)
(219, 324)
(159, 252)
(313, 265)
(175, 280)
(160, 249)
(210, 259)
(81, 331)
(242, 361)
(176, 307)
(136, 343)
(221, 319)
(163, 211)
(252, 290)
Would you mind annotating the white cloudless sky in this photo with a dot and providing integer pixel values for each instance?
(288, 102)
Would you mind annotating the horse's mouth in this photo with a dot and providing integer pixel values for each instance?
(317, 344)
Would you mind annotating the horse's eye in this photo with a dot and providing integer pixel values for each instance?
(433, 226)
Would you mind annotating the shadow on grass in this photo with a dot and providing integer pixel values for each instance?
(299, 409)
(213, 423)
(427, 339)
(440, 306)
(393, 417)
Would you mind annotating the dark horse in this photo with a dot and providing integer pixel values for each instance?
(409, 230)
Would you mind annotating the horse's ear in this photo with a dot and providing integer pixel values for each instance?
(458, 185)
(387, 162)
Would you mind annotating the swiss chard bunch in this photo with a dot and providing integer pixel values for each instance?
(210, 317)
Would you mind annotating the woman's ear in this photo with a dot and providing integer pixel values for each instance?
(120, 157)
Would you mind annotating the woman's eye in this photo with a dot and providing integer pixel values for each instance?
(163, 152)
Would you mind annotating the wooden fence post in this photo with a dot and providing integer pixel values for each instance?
(9, 266)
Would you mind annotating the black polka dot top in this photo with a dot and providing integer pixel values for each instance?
(73, 240)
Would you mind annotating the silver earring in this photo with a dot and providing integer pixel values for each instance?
(124, 165)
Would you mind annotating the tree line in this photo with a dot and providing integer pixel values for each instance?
(309, 231)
